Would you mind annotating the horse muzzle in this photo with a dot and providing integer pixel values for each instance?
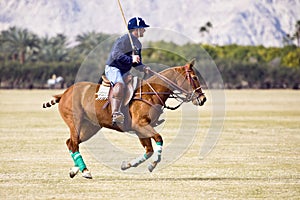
(200, 100)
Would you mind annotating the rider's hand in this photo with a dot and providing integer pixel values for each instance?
(136, 59)
(147, 69)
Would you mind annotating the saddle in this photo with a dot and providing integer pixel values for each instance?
(131, 83)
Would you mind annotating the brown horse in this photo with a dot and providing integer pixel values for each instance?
(85, 116)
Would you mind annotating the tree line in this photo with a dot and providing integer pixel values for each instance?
(28, 60)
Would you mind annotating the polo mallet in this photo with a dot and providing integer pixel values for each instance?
(125, 22)
(134, 50)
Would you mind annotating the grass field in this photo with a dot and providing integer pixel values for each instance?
(257, 155)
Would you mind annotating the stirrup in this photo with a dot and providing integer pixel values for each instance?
(118, 118)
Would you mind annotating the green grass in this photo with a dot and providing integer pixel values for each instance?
(257, 155)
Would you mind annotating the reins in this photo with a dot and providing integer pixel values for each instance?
(169, 82)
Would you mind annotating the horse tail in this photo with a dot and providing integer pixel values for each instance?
(53, 101)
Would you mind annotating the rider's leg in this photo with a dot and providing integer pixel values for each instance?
(116, 103)
(115, 77)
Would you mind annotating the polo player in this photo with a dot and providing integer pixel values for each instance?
(122, 57)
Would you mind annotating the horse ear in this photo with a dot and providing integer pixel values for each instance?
(191, 63)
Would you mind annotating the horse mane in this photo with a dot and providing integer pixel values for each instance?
(163, 72)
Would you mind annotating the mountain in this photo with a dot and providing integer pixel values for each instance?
(245, 22)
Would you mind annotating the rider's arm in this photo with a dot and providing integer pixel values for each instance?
(120, 54)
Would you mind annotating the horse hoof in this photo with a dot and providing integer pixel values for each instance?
(151, 166)
(87, 174)
(125, 165)
(73, 172)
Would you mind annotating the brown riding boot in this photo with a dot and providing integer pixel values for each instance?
(117, 115)
(116, 103)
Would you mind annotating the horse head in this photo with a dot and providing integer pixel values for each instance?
(189, 82)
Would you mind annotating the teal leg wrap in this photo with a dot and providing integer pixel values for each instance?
(77, 158)
(135, 162)
(159, 146)
(159, 143)
(73, 159)
(147, 156)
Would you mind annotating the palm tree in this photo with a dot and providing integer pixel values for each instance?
(3, 48)
(19, 42)
(89, 41)
(297, 32)
(287, 40)
(53, 49)
(202, 30)
(209, 25)
(206, 28)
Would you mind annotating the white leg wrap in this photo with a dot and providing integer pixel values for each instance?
(156, 158)
(135, 162)
(87, 174)
(157, 154)
(73, 171)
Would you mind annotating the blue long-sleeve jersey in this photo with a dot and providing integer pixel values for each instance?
(121, 53)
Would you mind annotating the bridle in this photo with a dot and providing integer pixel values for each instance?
(189, 95)
(182, 95)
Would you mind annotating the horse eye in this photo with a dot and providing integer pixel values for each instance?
(195, 78)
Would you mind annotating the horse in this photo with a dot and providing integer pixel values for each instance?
(55, 82)
(85, 116)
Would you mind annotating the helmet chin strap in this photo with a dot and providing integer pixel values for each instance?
(138, 24)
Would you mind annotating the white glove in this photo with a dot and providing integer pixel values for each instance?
(136, 59)
(146, 69)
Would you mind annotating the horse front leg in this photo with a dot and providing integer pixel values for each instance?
(146, 143)
(147, 131)
(157, 152)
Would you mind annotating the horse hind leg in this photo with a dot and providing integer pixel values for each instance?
(88, 130)
(73, 146)
(79, 164)
(146, 143)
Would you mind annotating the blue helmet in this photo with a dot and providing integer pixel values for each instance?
(136, 22)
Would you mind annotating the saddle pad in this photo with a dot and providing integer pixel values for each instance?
(102, 93)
